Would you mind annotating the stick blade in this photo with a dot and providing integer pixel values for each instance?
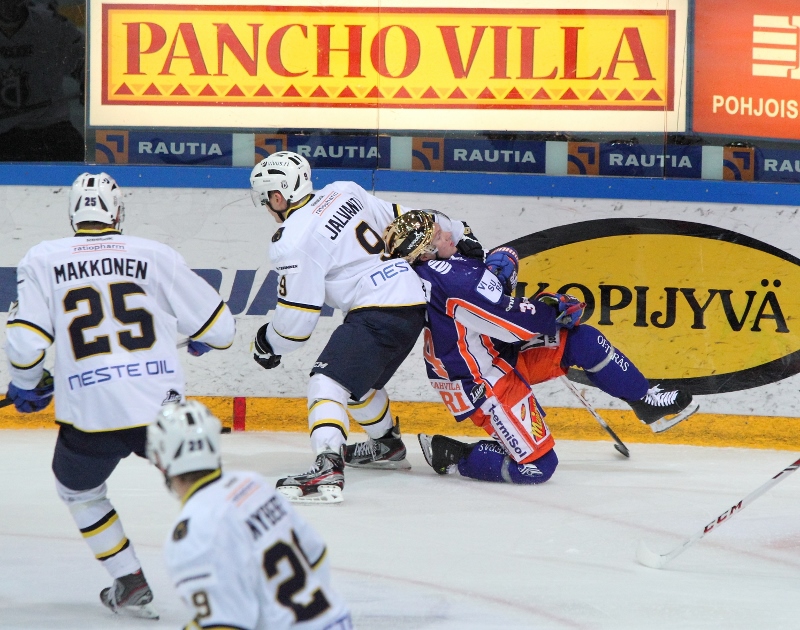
(621, 448)
(650, 558)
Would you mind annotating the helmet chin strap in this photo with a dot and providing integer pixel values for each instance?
(281, 213)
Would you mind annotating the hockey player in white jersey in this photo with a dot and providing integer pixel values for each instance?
(239, 555)
(113, 305)
(329, 249)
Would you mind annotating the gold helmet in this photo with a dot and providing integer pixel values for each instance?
(410, 235)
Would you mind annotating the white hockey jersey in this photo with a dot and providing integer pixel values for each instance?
(114, 305)
(331, 250)
(241, 557)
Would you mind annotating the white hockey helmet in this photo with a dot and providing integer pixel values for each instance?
(184, 438)
(96, 198)
(284, 171)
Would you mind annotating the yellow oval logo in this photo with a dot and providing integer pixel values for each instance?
(693, 305)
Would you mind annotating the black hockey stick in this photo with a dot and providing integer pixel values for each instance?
(6, 402)
(618, 444)
(658, 561)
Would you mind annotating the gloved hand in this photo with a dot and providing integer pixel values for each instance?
(504, 263)
(469, 246)
(570, 309)
(32, 400)
(264, 355)
(198, 348)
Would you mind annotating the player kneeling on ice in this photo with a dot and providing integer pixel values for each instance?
(484, 349)
(329, 247)
(239, 555)
(113, 305)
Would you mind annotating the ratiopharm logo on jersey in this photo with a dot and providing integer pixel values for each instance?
(433, 67)
(691, 304)
(747, 68)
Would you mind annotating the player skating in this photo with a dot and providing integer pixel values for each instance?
(484, 349)
(329, 248)
(239, 555)
(113, 305)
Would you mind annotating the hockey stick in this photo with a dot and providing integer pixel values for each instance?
(619, 445)
(6, 402)
(658, 561)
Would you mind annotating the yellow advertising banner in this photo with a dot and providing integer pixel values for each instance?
(719, 316)
(372, 67)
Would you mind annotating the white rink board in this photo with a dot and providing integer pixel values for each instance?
(220, 229)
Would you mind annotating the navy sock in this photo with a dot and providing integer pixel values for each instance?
(488, 461)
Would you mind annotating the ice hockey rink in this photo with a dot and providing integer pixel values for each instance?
(415, 550)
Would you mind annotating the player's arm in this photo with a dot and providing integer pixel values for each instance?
(386, 212)
(29, 331)
(201, 313)
(478, 302)
(214, 576)
(301, 295)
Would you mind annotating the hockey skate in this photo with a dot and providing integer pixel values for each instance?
(130, 595)
(443, 453)
(387, 452)
(657, 404)
(322, 484)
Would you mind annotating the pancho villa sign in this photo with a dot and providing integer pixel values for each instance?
(443, 67)
(693, 304)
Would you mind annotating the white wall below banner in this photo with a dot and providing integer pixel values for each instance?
(220, 230)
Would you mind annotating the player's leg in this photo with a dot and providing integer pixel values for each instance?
(82, 462)
(485, 460)
(353, 362)
(613, 372)
(388, 336)
(384, 448)
(329, 426)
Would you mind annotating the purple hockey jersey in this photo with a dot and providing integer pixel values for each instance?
(473, 330)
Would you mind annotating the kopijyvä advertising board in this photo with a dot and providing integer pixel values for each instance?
(532, 65)
(701, 306)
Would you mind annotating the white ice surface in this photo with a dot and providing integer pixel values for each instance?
(414, 550)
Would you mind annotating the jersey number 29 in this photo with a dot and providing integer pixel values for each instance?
(294, 584)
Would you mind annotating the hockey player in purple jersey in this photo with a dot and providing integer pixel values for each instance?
(484, 349)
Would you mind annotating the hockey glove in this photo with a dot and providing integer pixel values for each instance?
(504, 263)
(198, 348)
(469, 246)
(570, 309)
(264, 355)
(32, 400)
